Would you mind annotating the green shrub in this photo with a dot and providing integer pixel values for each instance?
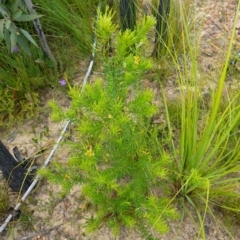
(117, 156)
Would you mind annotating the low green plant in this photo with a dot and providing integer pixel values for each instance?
(39, 139)
(21, 78)
(117, 157)
(68, 29)
(206, 169)
(13, 13)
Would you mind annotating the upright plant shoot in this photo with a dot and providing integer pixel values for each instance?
(117, 156)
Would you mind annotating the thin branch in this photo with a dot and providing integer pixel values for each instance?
(40, 33)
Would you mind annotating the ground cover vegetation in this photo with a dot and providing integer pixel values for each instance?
(135, 171)
(25, 67)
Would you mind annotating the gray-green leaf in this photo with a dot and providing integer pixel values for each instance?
(8, 23)
(16, 15)
(14, 6)
(22, 5)
(22, 42)
(13, 39)
(28, 36)
(4, 11)
(12, 27)
(1, 28)
(25, 17)
(7, 39)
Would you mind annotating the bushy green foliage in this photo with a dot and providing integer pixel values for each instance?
(117, 156)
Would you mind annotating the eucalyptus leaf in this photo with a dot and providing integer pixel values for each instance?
(26, 17)
(1, 28)
(5, 12)
(8, 23)
(14, 6)
(22, 5)
(12, 28)
(7, 39)
(13, 40)
(16, 15)
(28, 36)
(23, 42)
